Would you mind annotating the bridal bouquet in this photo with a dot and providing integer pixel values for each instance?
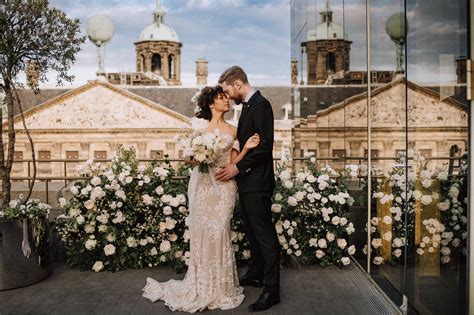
(203, 147)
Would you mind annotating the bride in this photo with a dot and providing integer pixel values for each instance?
(211, 280)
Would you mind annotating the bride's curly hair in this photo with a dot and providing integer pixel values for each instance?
(206, 98)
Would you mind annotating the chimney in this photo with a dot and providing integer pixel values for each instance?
(201, 72)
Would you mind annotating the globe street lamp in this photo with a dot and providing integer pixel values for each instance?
(397, 28)
(100, 29)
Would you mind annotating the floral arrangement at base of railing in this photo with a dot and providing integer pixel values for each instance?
(131, 216)
(428, 201)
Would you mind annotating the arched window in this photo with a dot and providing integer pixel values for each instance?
(171, 66)
(330, 62)
(156, 63)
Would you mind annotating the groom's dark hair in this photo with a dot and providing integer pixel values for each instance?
(230, 75)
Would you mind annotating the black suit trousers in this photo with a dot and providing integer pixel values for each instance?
(261, 233)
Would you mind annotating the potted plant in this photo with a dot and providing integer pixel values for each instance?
(24, 244)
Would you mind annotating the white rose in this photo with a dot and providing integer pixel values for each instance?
(80, 219)
(167, 210)
(147, 199)
(378, 260)
(165, 246)
(376, 242)
(276, 208)
(445, 250)
(426, 199)
(397, 253)
(278, 197)
(427, 183)
(292, 241)
(445, 259)
(342, 243)
(336, 220)
(443, 206)
(298, 253)
(174, 202)
(143, 242)
(320, 254)
(288, 184)
(397, 242)
(350, 229)
(89, 204)
(351, 250)
(387, 236)
(131, 242)
(173, 237)
(387, 219)
(330, 236)
(169, 223)
(322, 243)
(109, 249)
(343, 221)
(345, 261)
(284, 176)
(74, 190)
(95, 181)
(98, 266)
(159, 190)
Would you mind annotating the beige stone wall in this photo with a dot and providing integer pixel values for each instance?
(434, 125)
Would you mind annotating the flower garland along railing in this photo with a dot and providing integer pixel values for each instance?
(37, 213)
(130, 216)
(433, 204)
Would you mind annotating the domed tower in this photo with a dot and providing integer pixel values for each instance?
(327, 49)
(158, 51)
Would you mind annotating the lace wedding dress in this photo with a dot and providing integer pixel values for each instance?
(211, 280)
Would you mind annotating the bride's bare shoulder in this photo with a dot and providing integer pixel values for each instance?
(233, 129)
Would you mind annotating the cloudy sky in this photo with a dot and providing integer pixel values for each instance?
(252, 33)
(436, 34)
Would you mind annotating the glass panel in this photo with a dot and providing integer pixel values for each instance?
(437, 121)
(328, 69)
(388, 146)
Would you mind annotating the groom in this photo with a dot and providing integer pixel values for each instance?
(255, 181)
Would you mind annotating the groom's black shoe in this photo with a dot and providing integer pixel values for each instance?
(266, 300)
(249, 281)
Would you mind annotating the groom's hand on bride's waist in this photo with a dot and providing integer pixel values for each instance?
(227, 172)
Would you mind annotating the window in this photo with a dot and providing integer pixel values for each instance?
(72, 155)
(44, 155)
(426, 153)
(374, 153)
(156, 154)
(100, 155)
(340, 154)
(156, 63)
(331, 62)
(18, 155)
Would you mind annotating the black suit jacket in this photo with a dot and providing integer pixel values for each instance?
(256, 169)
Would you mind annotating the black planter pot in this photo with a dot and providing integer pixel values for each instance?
(16, 270)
